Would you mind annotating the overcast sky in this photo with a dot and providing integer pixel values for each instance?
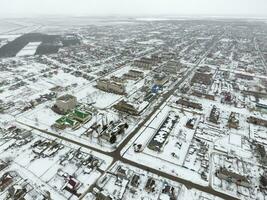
(17, 8)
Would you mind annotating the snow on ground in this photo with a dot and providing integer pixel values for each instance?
(152, 41)
(101, 99)
(29, 49)
(42, 172)
(9, 37)
(235, 139)
(169, 162)
(111, 185)
(242, 167)
(42, 117)
(6, 26)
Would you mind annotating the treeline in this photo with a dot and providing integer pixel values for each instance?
(49, 44)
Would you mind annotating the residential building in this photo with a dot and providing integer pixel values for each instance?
(111, 86)
(126, 107)
(172, 67)
(202, 78)
(143, 64)
(233, 177)
(134, 74)
(160, 79)
(189, 104)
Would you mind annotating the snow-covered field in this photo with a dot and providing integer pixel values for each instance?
(6, 26)
(29, 49)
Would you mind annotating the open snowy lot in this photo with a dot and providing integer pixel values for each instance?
(29, 49)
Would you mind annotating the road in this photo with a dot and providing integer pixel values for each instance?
(260, 53)
(116, 155)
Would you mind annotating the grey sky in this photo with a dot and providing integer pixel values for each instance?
(15, 8)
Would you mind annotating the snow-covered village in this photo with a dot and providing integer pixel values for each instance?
(133, 109)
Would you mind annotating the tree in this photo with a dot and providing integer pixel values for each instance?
(113, 139)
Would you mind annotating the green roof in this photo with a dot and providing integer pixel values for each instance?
(61, 120)
(81, 114)
(70, 121)
(66, 120)
(74, 118)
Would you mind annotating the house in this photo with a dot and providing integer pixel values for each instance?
(17, 192)
(65, 103)
(214, 115)
(261, 150)
(263, 181)
(121, 177)
(168, 191)
(71, 185)
(135, 180)
(150, 185)
(121, 173)
(191, 123)
(3, 165)
(6, 180)
(233, 121)
(228, 98)
(103, 196)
